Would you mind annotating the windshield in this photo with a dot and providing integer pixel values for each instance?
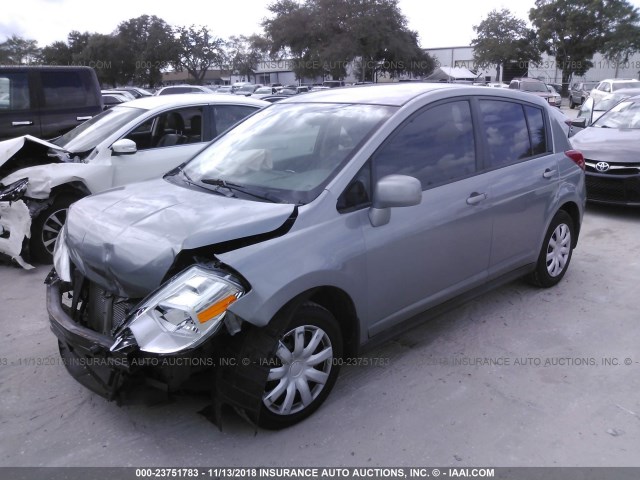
(86, 136)
(246, 88)
(609, 101)
(624, 115)
(287, 151)
(533, 87)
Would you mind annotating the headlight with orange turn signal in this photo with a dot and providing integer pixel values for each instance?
(184, 312)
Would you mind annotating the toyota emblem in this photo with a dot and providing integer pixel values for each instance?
(602, 166)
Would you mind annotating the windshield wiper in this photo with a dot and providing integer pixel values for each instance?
(186, 178)
(218, 182)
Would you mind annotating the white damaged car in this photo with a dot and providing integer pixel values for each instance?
(129, 143)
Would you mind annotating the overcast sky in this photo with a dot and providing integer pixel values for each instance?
(439, 24)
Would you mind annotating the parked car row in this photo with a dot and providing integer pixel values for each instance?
(580, 91)
(312, 228)
(111, 98)
(189, 264)
(608, 86)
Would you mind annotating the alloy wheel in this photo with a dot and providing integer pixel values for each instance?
(51, 228)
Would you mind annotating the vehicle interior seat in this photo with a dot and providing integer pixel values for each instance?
(195, 131)
(173, 131)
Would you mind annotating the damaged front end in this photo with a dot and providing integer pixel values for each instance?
(170, 340)
(15, 221)
(16, 209)
(28, 151)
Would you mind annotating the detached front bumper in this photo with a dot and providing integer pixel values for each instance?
(87, 356)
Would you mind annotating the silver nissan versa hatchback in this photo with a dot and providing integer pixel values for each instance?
(310, 229)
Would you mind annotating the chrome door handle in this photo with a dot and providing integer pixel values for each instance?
(20, 124)
(82, 119)
(548, 173)
(476, 198)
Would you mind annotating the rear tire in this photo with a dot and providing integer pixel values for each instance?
(556, 252)
(571, 104)
(46, 228)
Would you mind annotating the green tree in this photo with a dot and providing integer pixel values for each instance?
(574, 30)
(383, 41)
(621, 44)
(501, 38)
(324, 36)
(58, 53)
(151, 48)
(61, 53)
(18, 51)
(243, 54)
(107, 55)
(77, 41)
(198, 50)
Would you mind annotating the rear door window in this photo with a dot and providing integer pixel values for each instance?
(513, 132)
(64, 89)
(537, 130)
(227, 115)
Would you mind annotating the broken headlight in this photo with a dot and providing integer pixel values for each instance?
(14, 191)
(184, 312)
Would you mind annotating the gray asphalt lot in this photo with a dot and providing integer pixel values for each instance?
(518, 377)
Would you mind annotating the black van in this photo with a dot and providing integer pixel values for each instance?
(46, 101)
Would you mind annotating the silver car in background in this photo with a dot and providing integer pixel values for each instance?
(610, 144)
(314, 227)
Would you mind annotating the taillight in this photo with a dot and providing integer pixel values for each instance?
(576, 156)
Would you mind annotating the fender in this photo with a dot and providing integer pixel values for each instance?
(44, 178)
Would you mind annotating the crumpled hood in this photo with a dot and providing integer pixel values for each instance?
(126, 239)
(25, 151)
(608, 144)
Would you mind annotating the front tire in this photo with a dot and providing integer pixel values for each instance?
(556, 252)
(304, 367)
(46, 228)
(572, 105)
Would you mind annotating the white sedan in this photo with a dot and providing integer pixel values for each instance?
(136, 141)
